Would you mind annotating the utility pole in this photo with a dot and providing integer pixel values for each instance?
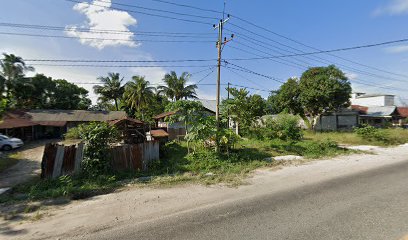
(228, 97)
(220, 44)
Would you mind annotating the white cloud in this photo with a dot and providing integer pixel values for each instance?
(397, 49)
(396, 7)
(351, 75)
(100, 17)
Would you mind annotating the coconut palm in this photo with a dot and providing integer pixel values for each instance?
(13, 69)
(138, 94)
(111, 89)
(176, 88)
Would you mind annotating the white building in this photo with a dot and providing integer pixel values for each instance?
(380, 100)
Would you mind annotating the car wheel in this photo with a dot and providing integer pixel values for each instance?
(7, 148)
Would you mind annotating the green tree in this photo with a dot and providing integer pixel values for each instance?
(323, 89)
(176, 88)
(139, 95)
(257, 105)
(238, 108)
(13, 68)
(111, 90)
(69, 96)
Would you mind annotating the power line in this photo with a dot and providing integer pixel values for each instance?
(108, 31)
(243, 77)
(157, 10)
(187, 6)
(118, 61)
(206, 76)
(105, 39)
(148, 14)
(252, 72)
(308, 46)
(121, 66)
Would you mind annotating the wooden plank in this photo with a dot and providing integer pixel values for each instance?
(58, 162)
(79, 155)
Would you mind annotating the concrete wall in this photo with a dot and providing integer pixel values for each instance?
(337, 122)
(373, 101)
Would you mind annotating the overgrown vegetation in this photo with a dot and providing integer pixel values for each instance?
(283, 126)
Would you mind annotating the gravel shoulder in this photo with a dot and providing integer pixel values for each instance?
(143, 206)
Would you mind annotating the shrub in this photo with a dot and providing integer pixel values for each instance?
(284, 126)
(372, 134)
(73, 133)
(97, 137)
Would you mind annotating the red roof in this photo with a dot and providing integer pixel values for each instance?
(159, 133)
(163, 115)
(403, 111)
(361, 109)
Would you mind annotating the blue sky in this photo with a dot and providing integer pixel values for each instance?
(319, 23)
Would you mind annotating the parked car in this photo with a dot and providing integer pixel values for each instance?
(7, 143)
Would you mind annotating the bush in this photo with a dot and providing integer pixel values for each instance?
(284, 126)
(97, 137)
(73, 134)
(371, 133)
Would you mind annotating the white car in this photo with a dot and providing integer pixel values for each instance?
(7, 143)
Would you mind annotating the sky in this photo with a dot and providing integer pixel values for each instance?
(138, 36)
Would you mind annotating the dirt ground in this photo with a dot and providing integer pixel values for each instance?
(79, 219)
(28, 166)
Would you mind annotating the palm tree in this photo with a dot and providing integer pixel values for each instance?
(138, 94)
(13, 69)
(176, 88)
(111, 89)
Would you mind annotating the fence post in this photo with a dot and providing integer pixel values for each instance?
(58, 162)
(79, 155)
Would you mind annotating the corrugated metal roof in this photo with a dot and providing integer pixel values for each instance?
(375, 95)
(403, 111)
(163, 115)
(119, 121)
(380, 111)
(159, 133)
(15, 123)
(208, 104)
(74, 115)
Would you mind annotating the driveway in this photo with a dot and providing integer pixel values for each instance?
(28, 166)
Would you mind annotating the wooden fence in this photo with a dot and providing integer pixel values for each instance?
(59, 160)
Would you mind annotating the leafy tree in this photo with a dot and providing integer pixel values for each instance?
(138, 95)
(257, 105)
(111, 89)
(272, 105)
(238, 108)
(191, 113)
(13, 69)
(176, 88)
(287, 99)
(323, 89)
(69, 96)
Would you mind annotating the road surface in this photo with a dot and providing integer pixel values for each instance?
(363, 196)
(369, 205)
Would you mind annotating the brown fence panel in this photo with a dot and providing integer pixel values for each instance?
(68, 164)
(48, 160)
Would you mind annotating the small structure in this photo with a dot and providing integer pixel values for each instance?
(378, 116)
(344, 120)
(133, 131)
(178, 129)
(37, 124)
(159, 135)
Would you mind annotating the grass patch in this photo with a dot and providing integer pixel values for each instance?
(8, 161)
(390, 137)
(177, 166)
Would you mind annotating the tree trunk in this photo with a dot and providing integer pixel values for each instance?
(116, 104)
(314, 122)
(307, 122)
(237, 128)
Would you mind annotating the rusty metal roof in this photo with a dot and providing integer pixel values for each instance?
(15, 123)
(74, 115)
(159, 133)
(119, 121)
(163, 115)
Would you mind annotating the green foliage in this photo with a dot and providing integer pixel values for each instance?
(283, 126)
(323, 89)
(139, 96)
(98, 137)
(73, 133)
(176, 88)
(372, 134)
(111, 90)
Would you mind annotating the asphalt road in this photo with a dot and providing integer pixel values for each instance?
(369, 205)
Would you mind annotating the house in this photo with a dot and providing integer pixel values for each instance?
(378, 115)
(178, 129)
(363, 99)
(343, 120)
(37, 124)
